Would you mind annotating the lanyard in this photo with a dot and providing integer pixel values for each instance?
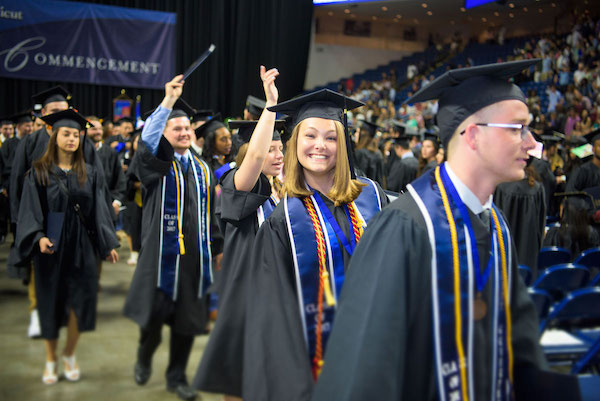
(336, 227)
(480, 278)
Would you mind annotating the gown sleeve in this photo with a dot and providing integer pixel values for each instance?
(276, 363)
(238, 205)
(30, 221)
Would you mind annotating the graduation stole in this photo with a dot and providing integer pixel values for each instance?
(264, 211)
(318, 261)
(172, 244)
(453, 247)
(223, 169)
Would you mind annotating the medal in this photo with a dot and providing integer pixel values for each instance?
(479, 308)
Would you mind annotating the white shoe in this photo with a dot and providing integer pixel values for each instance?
(34, 330)
(72, 372)
(50, 376)
(133, 258)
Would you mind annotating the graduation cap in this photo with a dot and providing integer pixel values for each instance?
(254, 105)
(592, 137)
(124, 120)
(370, 128)
(54, 94)
(246, 128)
(180, 109)
(202, 115)
(580, 199)
(211, 125)
(323, 103)
(464, 91)
(20, 118)
(67, 118)
(550, 137)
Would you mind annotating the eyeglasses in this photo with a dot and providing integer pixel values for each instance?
(522, 129)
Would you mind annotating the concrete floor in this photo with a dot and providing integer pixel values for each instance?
(106, 356)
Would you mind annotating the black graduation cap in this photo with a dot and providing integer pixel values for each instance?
(580, 199)
(592, 137)
(23, 117)
(550, 137)
(254, 105)
(464, 91)
(180, 109)
(370, 128)
(54, 94)
(246, 128)
(67, 118)
(575, 140)
(405, 130)
(211, 125)
(202, 115)
(323, 103)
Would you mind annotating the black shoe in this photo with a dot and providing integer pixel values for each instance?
(142, 373)
(183, 391)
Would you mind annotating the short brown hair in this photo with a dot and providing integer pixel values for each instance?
(344, 189)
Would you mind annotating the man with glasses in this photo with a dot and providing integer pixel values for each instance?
(433, 306)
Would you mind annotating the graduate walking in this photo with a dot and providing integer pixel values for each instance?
(247, 200)
(65, 226)
(303, 250)
(181, 242)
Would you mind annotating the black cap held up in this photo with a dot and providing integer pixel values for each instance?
(211, 125)
(67, 118)
(180, 109)
(464, 91)
(255, 106)
(202, 115)
(246, 129)
(54, 94)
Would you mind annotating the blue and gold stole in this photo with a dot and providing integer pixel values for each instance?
(452, 270)
(318, 261)
(264, 211)
(172, 244)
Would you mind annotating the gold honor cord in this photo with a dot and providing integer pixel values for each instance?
(505, 294)
(179, 216)
(457, 308)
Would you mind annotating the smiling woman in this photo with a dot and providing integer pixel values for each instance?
(302, 250)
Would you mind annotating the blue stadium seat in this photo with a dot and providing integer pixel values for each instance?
(552, 255)
(561, 279)
(542, 300)
(591, 357)
(525, 273)
(595, 282)
(577, 309)
(589, 258)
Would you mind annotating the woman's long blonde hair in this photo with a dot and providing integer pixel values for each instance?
(344, 189)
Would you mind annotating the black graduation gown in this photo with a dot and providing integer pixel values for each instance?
(542, 167)
(30, 149)
(276, 361)
(220, 370)
(381, 347)
(586, 176)
(525, 210)
(7, 154)
(190, 310)
(370, 163)
(69, 277)
(554, 237)
(402, 173)
(115, 178)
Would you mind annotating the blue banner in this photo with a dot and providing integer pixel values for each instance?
(87, 43)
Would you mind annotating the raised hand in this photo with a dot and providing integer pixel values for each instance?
(173, 90)
(268, 78)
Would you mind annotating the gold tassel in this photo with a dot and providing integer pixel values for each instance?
(181, 246)
(327, 289)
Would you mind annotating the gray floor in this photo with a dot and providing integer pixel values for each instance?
(106, 355)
